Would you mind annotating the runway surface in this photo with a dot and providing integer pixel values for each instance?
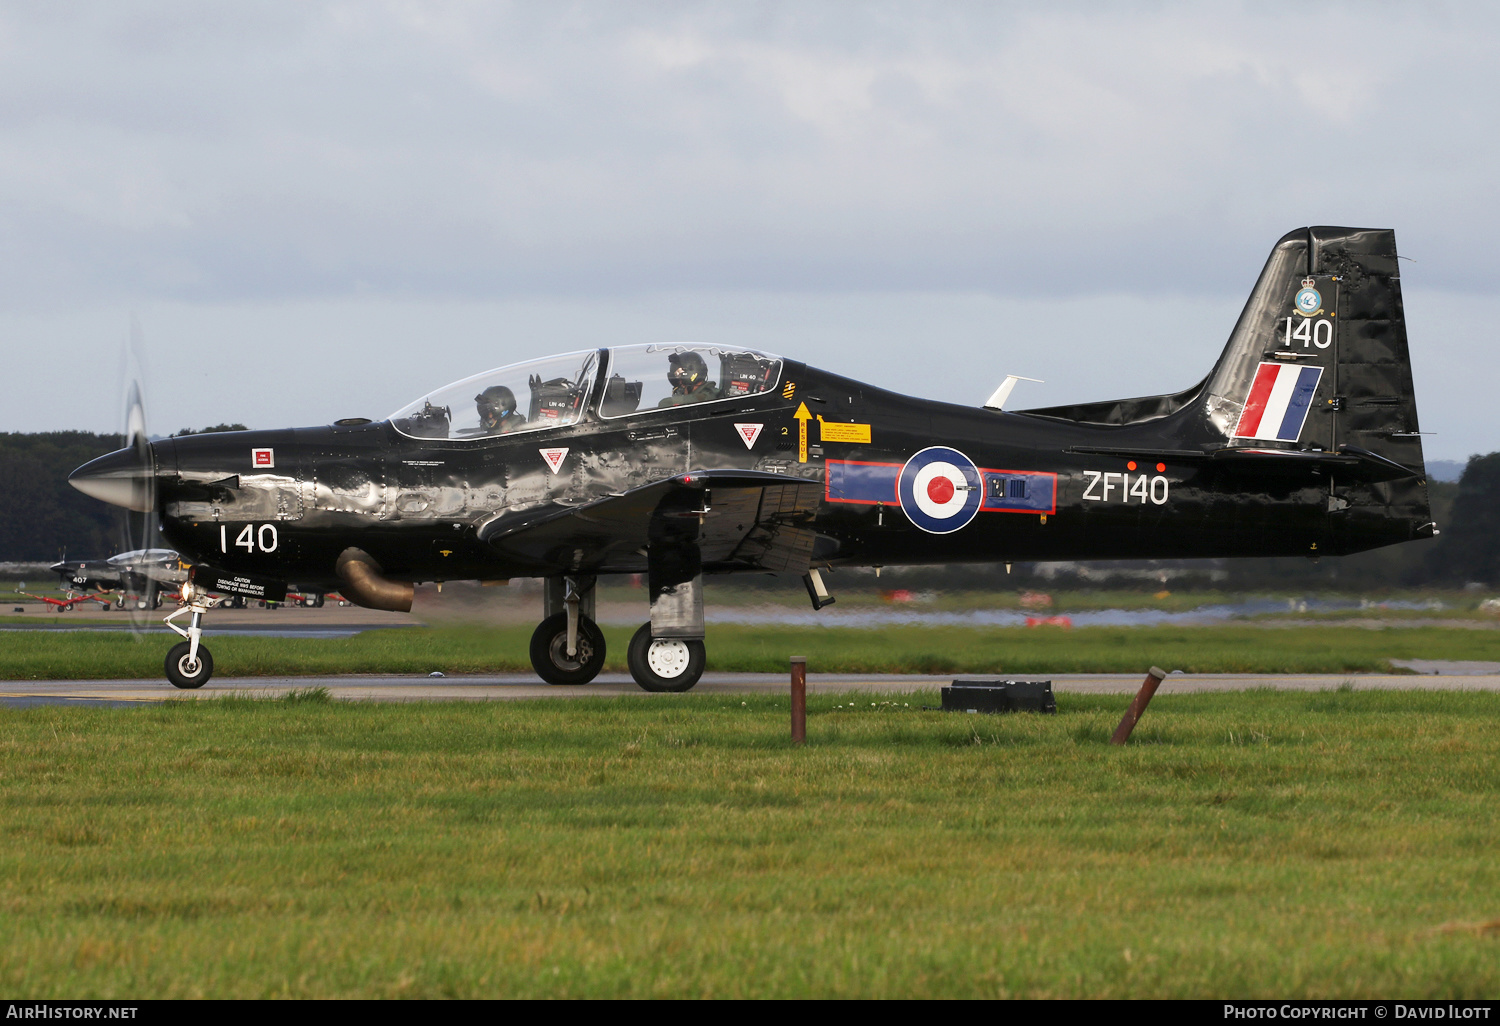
(502, 687)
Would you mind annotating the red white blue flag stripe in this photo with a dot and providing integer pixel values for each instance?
(1279, 399)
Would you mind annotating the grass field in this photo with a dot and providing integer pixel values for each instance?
(895, 649)
(1332, 844)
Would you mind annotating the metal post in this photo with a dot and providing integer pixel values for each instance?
(799, 699)
(1154, 677)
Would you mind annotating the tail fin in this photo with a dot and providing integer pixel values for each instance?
(1318, 359)
(1316, 374)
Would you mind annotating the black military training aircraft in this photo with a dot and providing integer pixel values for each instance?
(679, 461)
(137, 577)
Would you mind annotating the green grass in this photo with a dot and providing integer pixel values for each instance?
(896, 649)
(1336, 844)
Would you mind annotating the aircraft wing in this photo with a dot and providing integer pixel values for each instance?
(734, 518)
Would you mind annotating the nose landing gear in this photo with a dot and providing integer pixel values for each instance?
(189, 664)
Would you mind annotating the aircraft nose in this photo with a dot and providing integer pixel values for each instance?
(121, 478)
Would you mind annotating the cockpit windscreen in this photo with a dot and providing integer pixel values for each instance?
(522, 397)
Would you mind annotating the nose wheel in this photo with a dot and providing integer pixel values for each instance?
(189, 665)
(185, 669)
(664, 664)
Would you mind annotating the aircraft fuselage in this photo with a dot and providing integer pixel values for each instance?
(419, 506)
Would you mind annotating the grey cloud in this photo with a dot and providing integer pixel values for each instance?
(236, 152)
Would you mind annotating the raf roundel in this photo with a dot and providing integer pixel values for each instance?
(940, 489)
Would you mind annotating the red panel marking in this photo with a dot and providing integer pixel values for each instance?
(985, 508)
(895, 499)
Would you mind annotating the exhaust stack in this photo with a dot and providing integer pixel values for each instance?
(364, 584)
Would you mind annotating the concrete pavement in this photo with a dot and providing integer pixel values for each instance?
(502, 687)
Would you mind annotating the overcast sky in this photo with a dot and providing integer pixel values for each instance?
(320, 210)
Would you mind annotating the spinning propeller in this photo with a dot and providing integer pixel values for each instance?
(138, 524)
(134, 476)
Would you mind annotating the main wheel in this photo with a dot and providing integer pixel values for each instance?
(549, 651)
(185, 674)
(664, 664)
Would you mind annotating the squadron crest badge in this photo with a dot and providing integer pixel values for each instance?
(1309, 301)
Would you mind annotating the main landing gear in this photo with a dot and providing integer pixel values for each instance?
(664, 664)
(568, 646)
(189, 664)
(665, 655)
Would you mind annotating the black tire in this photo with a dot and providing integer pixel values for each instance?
(187, 676)
(667, 665)
(549, 645)
(317, 602)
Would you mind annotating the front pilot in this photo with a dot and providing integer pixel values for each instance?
(497, 410)
(689, 377)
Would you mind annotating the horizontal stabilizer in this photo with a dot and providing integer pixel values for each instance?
(1351, 461)
(1358, 463)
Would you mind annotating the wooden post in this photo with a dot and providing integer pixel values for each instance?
(799, 700)
(1154, 677)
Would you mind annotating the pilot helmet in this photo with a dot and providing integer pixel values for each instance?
(496, 401)
(686, 370)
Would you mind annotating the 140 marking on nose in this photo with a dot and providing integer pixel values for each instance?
(1132, 487)
(249, 539)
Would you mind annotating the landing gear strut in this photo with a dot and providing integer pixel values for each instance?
(189, 664)
(568, 647)
(667, 654)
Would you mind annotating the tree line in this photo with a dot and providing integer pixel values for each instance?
(42, 517)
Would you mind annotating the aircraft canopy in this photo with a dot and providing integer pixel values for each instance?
(560, 390)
